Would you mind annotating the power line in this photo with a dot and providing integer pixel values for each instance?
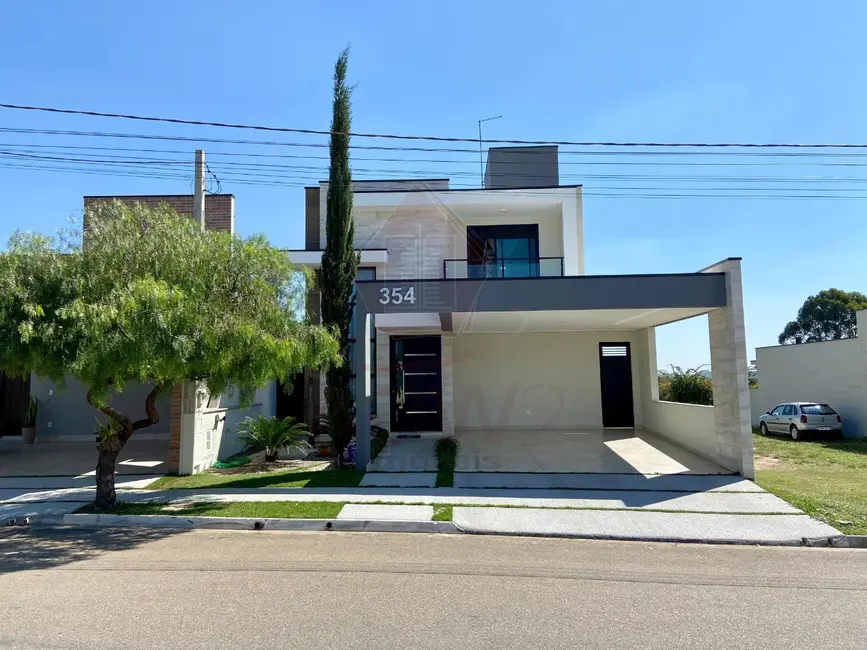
(243, 154)
(618, 192)
(703, 153)
(430, 138)
(262, 169)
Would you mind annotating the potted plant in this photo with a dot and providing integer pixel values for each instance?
(28, 421)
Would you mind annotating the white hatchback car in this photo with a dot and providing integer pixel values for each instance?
(797, 419)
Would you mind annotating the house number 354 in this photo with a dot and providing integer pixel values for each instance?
(396, 295)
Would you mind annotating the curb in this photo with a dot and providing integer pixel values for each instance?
(251, 523)
(851, 541)
(826, 542)
(388, 526)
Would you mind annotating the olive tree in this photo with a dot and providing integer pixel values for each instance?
(149, 297)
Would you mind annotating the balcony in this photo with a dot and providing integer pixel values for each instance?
(521, 267)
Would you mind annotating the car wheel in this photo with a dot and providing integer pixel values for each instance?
(794, 433)
(763, 429)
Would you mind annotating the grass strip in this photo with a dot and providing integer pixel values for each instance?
(254, 509)
(442, 512)
(289, 478)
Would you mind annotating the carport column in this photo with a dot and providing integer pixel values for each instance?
(187, 422)
(362, 386)
(728, 361)
(448, 379)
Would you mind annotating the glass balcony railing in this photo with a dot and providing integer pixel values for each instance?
(526, 267)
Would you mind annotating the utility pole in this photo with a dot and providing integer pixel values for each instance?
(481, 161)
(199, 190)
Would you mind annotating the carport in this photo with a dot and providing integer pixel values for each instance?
(596, 332)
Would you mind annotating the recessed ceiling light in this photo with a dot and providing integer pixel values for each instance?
(504, 209)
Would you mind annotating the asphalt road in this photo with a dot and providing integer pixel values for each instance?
(77, 588)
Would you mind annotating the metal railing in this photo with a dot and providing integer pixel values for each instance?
(521, 267)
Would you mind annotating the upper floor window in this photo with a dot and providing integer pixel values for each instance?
(505, 251)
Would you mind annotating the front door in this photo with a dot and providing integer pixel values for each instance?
(416, 383)
(615, 375)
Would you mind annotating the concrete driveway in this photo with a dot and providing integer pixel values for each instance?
(603, 451)
(78, 458)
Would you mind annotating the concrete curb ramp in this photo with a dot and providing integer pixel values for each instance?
(777, 530)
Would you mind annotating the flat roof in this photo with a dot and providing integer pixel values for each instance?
(147, 196)
(453, 189)
(472, 189)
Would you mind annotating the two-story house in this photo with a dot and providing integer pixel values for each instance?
(480, 322)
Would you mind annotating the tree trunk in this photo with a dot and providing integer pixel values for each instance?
(106, 496)
(109, 448)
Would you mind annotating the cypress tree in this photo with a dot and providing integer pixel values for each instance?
(339, 261)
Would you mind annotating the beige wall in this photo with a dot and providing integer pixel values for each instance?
(553, 375)
(833, 372)
(420, 236)
(690, 426)
(419, 240)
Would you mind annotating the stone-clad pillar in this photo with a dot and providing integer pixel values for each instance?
(448, 403)
(729, 376)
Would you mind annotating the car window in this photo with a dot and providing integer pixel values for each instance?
(817, 409)
(788, 410)
(777, 411)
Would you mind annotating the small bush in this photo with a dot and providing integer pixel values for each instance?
(446, 450)
(378, 442)
(688, 386)
(258, 432)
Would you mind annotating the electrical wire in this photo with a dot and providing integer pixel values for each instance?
(36, 146)
(621, 192)
(475, 152)
(429, 138)
(262, 169)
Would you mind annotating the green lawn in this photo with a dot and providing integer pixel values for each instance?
(257, 509)
(442, 513)
(827, 480)
(297, 478)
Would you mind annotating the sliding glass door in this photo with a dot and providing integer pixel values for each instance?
(508, 251)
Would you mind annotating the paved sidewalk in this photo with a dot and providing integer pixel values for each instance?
(722, 509)
(741, 502)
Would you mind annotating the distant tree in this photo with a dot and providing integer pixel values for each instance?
(688, 386)
(753, 375)
(827, 316)
(151, 298)
(339, 262)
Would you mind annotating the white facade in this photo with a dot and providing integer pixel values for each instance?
(539, 369)
(831, 372)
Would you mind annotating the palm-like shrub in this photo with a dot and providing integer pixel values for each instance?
(271, 434)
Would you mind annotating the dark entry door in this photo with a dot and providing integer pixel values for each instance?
(615, 369)
(416, 383)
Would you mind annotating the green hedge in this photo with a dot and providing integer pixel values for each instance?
(379, 440)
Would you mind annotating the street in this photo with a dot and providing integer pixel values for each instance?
(106, 588)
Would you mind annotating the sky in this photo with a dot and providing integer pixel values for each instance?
(627, 70)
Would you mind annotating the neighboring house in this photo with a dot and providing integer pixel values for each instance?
(66, 415)
(831, 372)
(482, 318)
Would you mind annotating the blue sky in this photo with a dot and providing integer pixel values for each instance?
(587, 71)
